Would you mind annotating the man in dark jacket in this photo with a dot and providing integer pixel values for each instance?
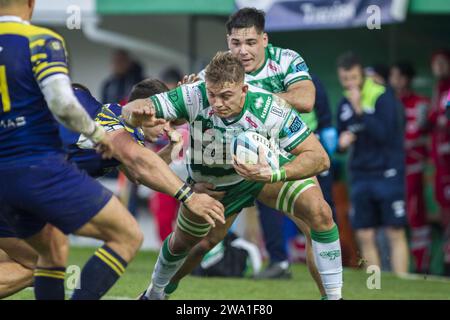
(370, 124)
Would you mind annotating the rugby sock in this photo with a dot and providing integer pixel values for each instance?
(166, 267)
(327, 254)
(49, 283)
(99, 274)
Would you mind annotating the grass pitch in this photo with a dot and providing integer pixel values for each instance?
(301, 286)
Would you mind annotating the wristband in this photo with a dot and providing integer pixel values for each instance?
(278, 175)
(184, 193)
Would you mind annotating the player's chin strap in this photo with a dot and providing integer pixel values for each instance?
(278, 175)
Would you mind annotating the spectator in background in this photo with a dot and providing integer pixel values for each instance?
(370, 125)
(125, 74)
(416, 108)
(273, 223)
(439, 126)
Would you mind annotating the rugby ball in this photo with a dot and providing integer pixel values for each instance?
(245, 147)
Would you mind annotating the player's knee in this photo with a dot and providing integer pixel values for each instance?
(321, 217)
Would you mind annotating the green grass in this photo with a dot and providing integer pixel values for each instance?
(301, 286)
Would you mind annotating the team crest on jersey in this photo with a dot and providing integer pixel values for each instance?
(55, 51)
(173, 96)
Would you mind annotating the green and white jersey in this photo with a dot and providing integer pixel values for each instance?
(281, 68)
(208, 156)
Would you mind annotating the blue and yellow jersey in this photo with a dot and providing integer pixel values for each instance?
(29, 55)
(81, 153)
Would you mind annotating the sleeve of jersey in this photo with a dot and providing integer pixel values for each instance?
(293, 131)
(295, 66)
(182, 102)
(48, 57)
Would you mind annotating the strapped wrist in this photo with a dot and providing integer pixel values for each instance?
(98, 134)
(278, 175)
(184, 193)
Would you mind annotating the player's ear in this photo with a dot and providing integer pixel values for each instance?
(265, 39)
(244, 88)
(228, 40)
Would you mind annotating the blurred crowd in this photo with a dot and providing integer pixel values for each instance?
(391, 198)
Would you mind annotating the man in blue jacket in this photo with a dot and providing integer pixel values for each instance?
(370, 125)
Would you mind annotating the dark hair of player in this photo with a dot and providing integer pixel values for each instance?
(224, 68)
(147, 88)
(406, 69)
(348, 60)
(246, 18)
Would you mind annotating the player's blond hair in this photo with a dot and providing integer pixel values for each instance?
(224, 68)
(7, 3)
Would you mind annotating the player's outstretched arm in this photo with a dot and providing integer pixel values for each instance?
(147, 168)
(301, 95)
(65, 107)
(140, 112)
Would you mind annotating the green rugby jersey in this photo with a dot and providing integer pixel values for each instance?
(281, 68)
(208, 156)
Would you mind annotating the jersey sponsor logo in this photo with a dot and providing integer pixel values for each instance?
(13, 123)
(252, 123)
(55, 51)
(272, 66)
(293, 125)
(277, 111)
(301, 67)
(266, 107)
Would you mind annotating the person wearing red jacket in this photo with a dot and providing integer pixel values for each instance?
(439, 125)
(416, 107)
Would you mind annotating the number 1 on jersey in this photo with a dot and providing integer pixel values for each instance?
(6, 101)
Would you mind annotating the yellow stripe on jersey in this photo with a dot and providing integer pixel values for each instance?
(102, 115)
(54, 70)
(38, 56)
(44, 65)
(27, 30)
(39, 42)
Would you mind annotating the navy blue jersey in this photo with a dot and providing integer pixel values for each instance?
(79, 152)
(378, 149)
(29, 55)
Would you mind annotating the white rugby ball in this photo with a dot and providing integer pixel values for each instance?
(245, 147)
